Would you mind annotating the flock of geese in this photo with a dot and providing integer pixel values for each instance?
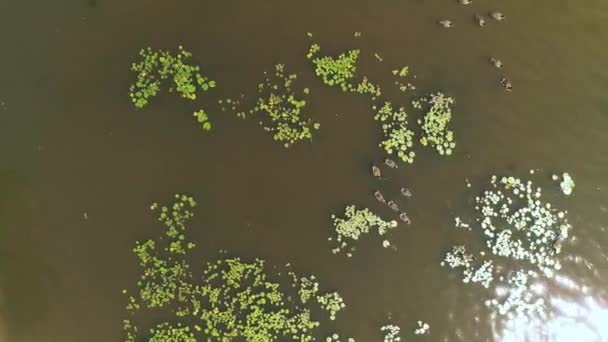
(481, 21)
(405, 192)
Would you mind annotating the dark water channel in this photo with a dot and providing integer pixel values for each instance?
(71, 143)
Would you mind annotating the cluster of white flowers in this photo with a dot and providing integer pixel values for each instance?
(482, 275)
(423, 328)
(518, 299)
(567, 183)
(356, 223)
(519, 229)
(519, 225)
(458, 257)
(391, 333)
(459, 224)
(336, 338)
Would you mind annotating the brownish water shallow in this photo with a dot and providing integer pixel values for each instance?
(71, 143)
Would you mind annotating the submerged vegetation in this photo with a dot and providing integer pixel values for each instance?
(436, 121)
(523, 236)
(234, 299)
(355, 224)
(161, 68)
(398, 138)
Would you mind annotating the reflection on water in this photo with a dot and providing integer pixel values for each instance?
(582, 319)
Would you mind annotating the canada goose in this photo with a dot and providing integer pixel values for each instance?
(405, 218)
(497, 16)
(506, 84)
(406, 192)
(390, 163)
(446, 23)
(379, 196)
(496, 63)
(393, 205)
(376, 171)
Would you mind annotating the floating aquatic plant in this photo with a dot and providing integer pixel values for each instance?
(391, 333)
(165, 332)
(156, 68)
(203, 119)
(567, 184)
(355, 224)
(422, 329)
(283, 109)
(398, 138)
(403, 72)
(331, 302)
(436, 121)
(400, 74)
(336, 338)
(340, 71)
(234, 298)
(523, 235)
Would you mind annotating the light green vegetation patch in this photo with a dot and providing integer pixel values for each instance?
(355, 224)
(281, 108)
(523, 236)
(400, 75)
(234, 299)
(398, 138)
(161, 68)
(335, 71)
(165, 332)
(202, 119)
(436, 123)
(341, 70)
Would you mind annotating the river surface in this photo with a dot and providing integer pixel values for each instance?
(79, 166)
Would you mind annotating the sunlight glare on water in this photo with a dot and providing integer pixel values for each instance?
(584, 319)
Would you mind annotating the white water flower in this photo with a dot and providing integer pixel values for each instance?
(423, 328)
(567, 184)
(520, 229)
(391, 333)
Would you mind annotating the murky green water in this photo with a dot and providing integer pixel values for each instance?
(71, 143)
